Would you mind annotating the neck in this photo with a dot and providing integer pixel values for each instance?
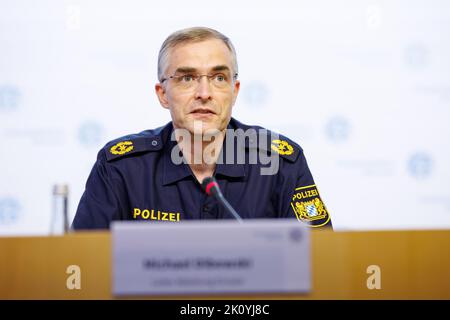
(201, 152)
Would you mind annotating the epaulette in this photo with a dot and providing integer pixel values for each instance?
(272, 142)
(131, 145)
(285, 147)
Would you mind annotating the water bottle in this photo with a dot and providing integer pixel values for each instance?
(60, 222)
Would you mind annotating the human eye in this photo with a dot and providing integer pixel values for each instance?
(220, 77)
(187, 78)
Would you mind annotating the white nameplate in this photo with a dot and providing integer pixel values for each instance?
(219, 256)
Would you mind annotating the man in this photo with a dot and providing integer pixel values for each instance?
(156, 175)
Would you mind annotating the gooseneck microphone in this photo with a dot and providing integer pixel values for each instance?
(211, 188)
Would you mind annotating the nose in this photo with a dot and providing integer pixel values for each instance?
(203, 91)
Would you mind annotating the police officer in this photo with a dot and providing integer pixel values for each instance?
(156, 175)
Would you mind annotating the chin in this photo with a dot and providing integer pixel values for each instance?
(202, 127)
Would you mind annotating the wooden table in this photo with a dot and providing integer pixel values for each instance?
(413, 265)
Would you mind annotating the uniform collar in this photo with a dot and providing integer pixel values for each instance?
(230, 170)
(173, 172)
(176, 172)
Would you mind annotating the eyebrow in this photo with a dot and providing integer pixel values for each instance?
(190, 69)
(185, 70)
(221, 68)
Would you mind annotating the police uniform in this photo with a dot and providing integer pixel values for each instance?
(134, 178)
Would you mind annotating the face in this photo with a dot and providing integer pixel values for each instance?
(206, 101)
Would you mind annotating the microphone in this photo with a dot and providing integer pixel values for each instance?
(211, 188)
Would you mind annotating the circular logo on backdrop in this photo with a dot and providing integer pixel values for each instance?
(90, 133)
(9, 97)
(416, 56)
(337, 129)
(295, 235)
(9, 211)
(420, 165)
(255, 94)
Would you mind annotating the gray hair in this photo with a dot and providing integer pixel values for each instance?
(195, 34)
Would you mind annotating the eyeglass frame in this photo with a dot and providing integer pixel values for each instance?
(234, 77)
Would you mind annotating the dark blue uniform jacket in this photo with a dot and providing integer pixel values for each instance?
(134, 178)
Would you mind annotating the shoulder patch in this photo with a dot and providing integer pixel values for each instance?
(115, 150)
(309, 208)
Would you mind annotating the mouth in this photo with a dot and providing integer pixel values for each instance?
(202, 111)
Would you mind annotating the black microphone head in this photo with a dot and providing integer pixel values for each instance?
(210, 186)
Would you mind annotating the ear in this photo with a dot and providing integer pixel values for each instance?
(161, 93)
(236, 87)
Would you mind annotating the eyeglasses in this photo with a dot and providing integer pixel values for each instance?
(190, 81)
